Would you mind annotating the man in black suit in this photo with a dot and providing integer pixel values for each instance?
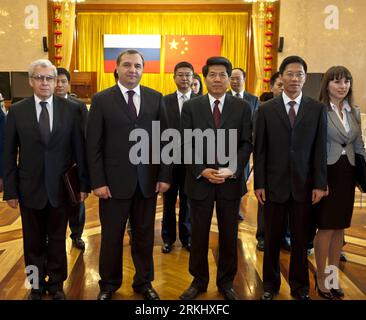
(126, 188)
(289, 174)
(183, 76)
(237, 81)
(43, 133)
(210, 178)
(77, 213)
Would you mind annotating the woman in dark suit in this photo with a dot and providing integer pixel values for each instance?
(334, 212)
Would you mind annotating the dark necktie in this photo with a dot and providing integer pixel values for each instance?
(292, 113)
(44, 122)
(237, 95)
(131, 105)
(217, 114)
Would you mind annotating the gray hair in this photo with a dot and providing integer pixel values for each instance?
(44, 63)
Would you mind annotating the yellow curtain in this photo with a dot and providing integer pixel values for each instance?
(67, 28)
(92, 26)
(258, 19)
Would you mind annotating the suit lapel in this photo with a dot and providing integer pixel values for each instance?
(120, 101)
(32, 114)
(281, 111)
(56, 121)
(175, 106)
(333, 117)
(302, 110)
(207, 112)
(226, 110)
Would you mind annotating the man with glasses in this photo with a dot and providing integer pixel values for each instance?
(43, 138)
(77, 213)
(183, 77)
(215, 182)
(290, 168)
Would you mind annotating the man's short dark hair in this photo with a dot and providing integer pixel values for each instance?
(292, 59)
(183, 64)
(61, 71)
(130, 51)
(214, 61)
(274, 77)
(242, 71)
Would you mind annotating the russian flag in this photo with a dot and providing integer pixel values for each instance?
(147, 44)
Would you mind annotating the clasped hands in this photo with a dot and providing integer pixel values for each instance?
(216, 176)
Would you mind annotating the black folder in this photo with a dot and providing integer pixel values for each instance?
(71, 180)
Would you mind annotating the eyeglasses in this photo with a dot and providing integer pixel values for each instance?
(41, 78)
(298, 75)
(182, 75)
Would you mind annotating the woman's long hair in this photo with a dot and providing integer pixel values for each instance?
(336, 72)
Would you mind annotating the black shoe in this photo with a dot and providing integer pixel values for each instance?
(300, 295)
(191, 293)
(323, 294)
(229, 294)
(337, 293)
(240, 217)
(187, 246)
(105, 295)
(285, 245)
(260, 245)
(150, 294)
(35, 295)
(59, 295)
(343, 257)
(78, 243)
(166, 248)
(268, 295)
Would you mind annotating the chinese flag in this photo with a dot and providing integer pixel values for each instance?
(193, 49)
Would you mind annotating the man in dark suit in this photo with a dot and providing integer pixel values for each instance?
(43, 133)
(289, 174)
(126, 188)
(183, 75)
(77, 213)
(211, 179)
(237, 81)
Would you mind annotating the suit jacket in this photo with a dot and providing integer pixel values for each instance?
(250, 98)
(172, 109)
(290, 161)
(236, 114)
(108, 145)
(38, 176)
(337, 136)
(83, 111)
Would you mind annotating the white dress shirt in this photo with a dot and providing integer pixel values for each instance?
(49, 108)
(136, 97)
(286, 100)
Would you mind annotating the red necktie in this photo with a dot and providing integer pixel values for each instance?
(292, 113)
(131, 105)
(217, 114)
